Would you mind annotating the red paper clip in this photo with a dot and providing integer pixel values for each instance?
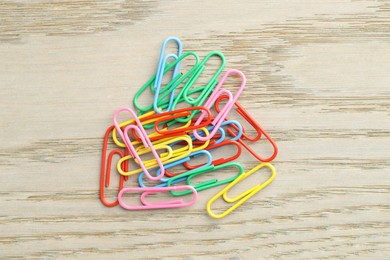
(240, 109)
(220, 160)
(180, 131)
(105, 172)
(171, 115)
(256, 126)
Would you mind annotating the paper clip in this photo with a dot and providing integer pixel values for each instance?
(205, 91)
(182, 130)
(158, 119)
(260, 131)
(208, 87)
(166, 158)
(158, 81)
(220, 160)
(218, 120)
(161, 68)
(185, 160)
(243, 196)
(206, 184)
(176, 154)
(157, 205)
(105, 172)
(169, 87)
(145, 141)
(222, 137)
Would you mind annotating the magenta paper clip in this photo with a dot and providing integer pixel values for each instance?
(176, 203)
(218, 120)
(144, 138)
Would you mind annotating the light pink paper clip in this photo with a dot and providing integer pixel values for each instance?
(218, 120)
(176, 203)
(144, 138)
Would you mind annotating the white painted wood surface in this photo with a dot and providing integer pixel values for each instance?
(318, 81)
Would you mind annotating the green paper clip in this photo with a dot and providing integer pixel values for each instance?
(206, 184)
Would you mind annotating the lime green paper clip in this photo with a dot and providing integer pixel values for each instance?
(206, 184)
(205, 90)
(176, 81)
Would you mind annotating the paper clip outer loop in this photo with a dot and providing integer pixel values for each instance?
(162, 60)
(218, 120)
(145, 140)
(160, 205)
(243, 196)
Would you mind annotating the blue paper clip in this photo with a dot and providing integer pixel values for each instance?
(164, 181)
(160, 72)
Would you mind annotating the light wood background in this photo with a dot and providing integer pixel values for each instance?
(318, 81)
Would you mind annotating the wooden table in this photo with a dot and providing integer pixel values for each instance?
(318, 82)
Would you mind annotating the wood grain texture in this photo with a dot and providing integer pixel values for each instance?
(318, 81)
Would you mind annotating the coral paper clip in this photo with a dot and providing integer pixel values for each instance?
(158, 205)
(260, 131)
(218, 120)
(144, 138)
(105, 174)
(240, 199)
(222, 160)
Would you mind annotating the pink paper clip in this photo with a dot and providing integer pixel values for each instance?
(144, 139)
(218, 120)
(177, 203)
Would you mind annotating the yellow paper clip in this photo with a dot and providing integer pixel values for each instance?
(165, 157)
(243, 196)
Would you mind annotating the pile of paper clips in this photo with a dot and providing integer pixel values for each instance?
(199, 132)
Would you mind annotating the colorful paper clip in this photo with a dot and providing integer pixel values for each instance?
(161, 68)
(240, 199)
(206, 184)
(203, 91)
(157, 205)
(169, 87)
(222, 160)
(145, 141)
(260, 131)
(187, 159)
(218, 120)
(105, 172)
